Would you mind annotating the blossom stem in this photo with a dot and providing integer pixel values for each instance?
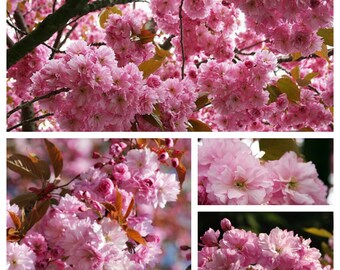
(29, 121)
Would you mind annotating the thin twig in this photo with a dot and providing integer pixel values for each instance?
(51, 94)
(181, 36)
(56, 43)
(69, 182)
(68, 35)
(253, 45)
(29, 121)
(54, 50)
(18, 30)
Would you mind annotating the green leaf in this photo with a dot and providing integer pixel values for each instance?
(323, 53)
(24, 200)
(295, 73)
(319, 232)
(150, 66)
(328, 35)
(197, 125)
(286, 85)
(307, 79)
(24, 166)
(38, 211)
(275, 148)
(202, 101)
(55, 157)
(154, 120)
(274, 92)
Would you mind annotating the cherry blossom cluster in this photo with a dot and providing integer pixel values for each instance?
(228, 173)
(229, 52)
(241, 249)
(291, 26)
(207, 23)
(105, 219)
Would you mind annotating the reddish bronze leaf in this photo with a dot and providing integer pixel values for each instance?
(134, 235)
(55, 157)
(181, 172)
(16, 220)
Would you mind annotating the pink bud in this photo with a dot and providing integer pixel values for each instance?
(175, 162)
(96, 155)
(98, 165)
(163, 156)
(226, 225)
(169, 142)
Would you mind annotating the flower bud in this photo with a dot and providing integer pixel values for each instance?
(169, 142)
(96, 155)
(226, 224)
(175, 162)
(163, 156)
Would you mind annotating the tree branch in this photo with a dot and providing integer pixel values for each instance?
(181, 37)
(53, 22)
(29, 121)
(45, 30)
(290, 58)
(25, 104)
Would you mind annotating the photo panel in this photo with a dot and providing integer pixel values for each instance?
(265, 240)
(99, 203)
(265, 171)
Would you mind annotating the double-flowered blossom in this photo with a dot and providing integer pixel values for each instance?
(102, 221)
(228, 173)
(241, 249)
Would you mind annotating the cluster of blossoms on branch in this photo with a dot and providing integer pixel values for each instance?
(223, 66)
(103, 218)
(240, 249)
(228, 173)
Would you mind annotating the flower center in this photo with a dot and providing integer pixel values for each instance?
(240, 183)
(293, 183)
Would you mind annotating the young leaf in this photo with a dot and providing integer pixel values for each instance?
(275, 148)
(318, 232)
(202, 101)
(323, 53)
(25, 200)
(154, 120)
(150, 66)
(38, 211)
(134, 235)
(328, 35)
(307, 79)
(42, 166)
(13, 235)
(16, 220)
(181, 172)
(104, 15)
(296, 55)
(23, 165)
(295, 73)
(286, 85)
(274, 92)
(197, 125)
(130, 207)
(148, 32)
(55, 157)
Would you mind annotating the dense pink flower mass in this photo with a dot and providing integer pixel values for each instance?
(240, 249)
(106, 218)
(228, 173)
(189, 65)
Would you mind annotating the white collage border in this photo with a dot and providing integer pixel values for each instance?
(194, 138)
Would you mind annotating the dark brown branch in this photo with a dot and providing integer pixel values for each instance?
(20, 21)
(68, 35)
(181, 37)
(32, 120)
(51, 94)
(9, 42)
(290, 58)
(56, 43)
